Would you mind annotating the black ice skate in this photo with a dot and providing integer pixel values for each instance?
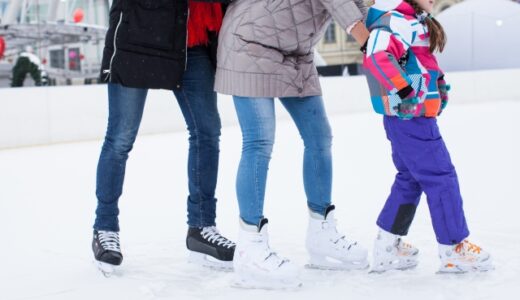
(210, 249)
(107, 251)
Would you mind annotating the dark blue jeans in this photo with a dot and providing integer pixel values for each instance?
(424, 165)
(198, 103)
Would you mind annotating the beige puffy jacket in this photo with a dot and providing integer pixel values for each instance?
(266, 46)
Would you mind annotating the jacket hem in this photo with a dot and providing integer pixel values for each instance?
(259, 85)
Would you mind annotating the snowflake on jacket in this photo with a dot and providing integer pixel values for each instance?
(404, 77)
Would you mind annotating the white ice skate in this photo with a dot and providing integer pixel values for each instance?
(257, 266)
(464, 257)
(391, 253)
(330, 250)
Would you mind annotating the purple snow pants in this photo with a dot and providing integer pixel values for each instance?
(423, 164)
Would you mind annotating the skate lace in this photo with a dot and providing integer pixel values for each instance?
(212, 235)
(343, 242)
(470, 247)
(274, 258)
(337, 238)
(109, 240)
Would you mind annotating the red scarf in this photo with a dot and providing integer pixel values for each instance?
(2, 47)
(203, 17)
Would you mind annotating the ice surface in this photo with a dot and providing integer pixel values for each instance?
(47, 206)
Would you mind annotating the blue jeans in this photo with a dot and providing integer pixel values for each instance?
(198, 103)
(257, 121)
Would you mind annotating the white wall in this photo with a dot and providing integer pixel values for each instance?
(45, 115)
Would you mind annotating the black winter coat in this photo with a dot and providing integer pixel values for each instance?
(145, 46)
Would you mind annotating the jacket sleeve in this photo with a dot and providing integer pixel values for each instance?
(386, 45)
(346, 12)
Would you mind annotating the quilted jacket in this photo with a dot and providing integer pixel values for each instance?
(399, 63)
(266, 46)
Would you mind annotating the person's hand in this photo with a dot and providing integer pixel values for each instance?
(444, 88)
(408, 106)
(360, 33)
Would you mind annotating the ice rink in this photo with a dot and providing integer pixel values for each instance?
(47, 206)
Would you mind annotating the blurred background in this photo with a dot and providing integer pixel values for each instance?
(51, 42)
(60, 42)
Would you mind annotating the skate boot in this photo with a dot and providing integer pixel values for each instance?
(207, 247)
(257, 266)
(464, 257)
(391, 253)
(329, 249)
(107, 251)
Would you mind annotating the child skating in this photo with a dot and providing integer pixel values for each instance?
(408, 87)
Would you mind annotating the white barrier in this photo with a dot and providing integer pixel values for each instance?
(34, 116)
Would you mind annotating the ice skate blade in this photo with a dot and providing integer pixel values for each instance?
(208, 261)
(379, 268)
(336, 265)
(292, 285)
(381, 271)
(106, 269)
(462, 269)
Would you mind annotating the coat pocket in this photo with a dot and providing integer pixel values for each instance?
(152, 24)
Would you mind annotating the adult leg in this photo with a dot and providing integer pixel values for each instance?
(256, 265)
(257, 121)
(198, 103)
(327, 248)
(125, 112)
(311, 119)
(36, 74)
(20, 70)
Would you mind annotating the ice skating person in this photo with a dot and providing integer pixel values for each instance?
(409, 88)
(28, 63)
(266, 52)
(155, 45)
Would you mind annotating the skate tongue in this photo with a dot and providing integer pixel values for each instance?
(253, 228)
(329, 209)
(318, 216)
(261, 224)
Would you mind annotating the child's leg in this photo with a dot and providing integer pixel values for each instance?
(390, 252)
(421, 147)
(399, 210)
